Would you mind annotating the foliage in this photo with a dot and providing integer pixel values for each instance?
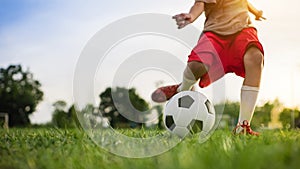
(286, 117)
(73, 149)
(20, 93)
(123, 106)
(159, 109)
(91, 118)
(229, 108)
(63, 118)
(262, 115)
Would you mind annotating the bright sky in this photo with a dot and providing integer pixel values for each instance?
(48, 36)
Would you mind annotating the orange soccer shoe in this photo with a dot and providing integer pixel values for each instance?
(244, 128)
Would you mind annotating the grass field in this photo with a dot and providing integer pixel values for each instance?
(72, 149)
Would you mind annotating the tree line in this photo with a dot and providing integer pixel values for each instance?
(20, 93)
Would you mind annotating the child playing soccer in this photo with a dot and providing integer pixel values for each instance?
(229, 43)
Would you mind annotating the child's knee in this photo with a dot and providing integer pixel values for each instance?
(198, 69)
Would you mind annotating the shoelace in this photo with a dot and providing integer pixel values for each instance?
(244, 125)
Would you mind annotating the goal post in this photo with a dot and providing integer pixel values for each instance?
(5, 117)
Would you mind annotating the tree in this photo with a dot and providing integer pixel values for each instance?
(91, 118)
(63, 117)
(72, 115)
(286, 117)
(232, 109)
(159, 109)
(60, 117)
(262, 115)
(119, 102)
(20, 93)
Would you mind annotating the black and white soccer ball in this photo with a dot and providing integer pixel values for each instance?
(188, 113)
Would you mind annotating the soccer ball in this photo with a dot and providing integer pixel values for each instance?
(188, 113)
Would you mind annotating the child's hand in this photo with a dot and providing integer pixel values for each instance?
(183, 19)
(259, 16)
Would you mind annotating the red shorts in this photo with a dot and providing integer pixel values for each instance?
(224, 54)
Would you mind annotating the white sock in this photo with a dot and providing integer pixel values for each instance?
(186, 84)
(188, 81)
(248, 103)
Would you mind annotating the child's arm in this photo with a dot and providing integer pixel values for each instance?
(257, 13)
(184, 19)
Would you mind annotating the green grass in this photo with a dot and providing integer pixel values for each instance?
(73, 149)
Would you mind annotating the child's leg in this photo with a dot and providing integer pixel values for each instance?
(192, 73)
(253, 62)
